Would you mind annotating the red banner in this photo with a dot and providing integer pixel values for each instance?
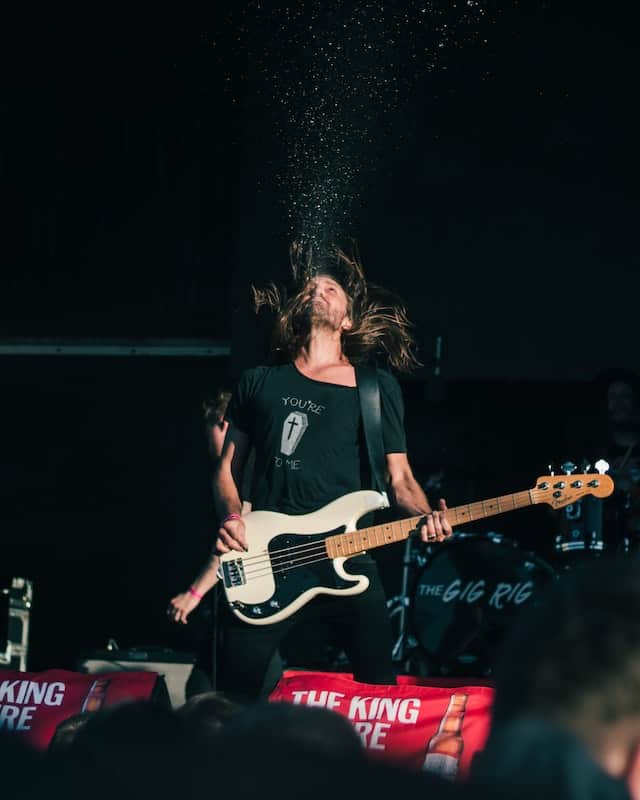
(422, 723)
(32, 704)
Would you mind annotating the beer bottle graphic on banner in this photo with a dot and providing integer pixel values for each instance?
(96, 695)
(446, 745)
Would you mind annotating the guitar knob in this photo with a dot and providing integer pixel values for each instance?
(568, 467)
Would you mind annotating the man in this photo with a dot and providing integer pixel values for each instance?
(621, 448)
(302, 418)
(609, 429)
(566, 716)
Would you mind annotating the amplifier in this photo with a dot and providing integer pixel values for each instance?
(172, 666)
(16, 596)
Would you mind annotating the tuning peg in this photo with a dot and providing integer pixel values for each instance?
(551, 469)
(585, 465)
(602, 466)
(568, 467)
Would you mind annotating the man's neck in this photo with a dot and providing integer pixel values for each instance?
(323, 350)
(323, 360)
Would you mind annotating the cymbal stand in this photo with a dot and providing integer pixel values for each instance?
(397, 607)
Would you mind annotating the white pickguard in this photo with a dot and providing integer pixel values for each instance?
(258, 583)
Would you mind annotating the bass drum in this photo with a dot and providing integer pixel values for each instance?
(465, 597)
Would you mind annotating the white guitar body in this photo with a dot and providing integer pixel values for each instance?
(287, 563)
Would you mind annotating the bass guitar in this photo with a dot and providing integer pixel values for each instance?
(292, 559)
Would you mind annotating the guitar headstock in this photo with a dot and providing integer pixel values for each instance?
(562, 490)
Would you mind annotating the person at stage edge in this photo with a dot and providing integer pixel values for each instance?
(181, 606)
(202, 677)
(301, 414)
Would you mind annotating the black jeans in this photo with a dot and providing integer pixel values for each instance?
(360, 622)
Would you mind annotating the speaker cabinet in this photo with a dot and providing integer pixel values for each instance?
(173, 667)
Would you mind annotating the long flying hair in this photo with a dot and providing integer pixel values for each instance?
(380, 326)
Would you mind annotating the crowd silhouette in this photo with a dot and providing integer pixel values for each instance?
(565, 723)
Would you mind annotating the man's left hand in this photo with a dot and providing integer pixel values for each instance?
(436, 527)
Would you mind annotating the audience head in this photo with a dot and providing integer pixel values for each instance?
(530, 758)
(25, 773)
(316, 729)
(573, 658)
(138, 749)
(288, 750)
(67, 730)
(141, 749)
(208, 712)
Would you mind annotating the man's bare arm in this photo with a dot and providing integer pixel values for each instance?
(409, 496)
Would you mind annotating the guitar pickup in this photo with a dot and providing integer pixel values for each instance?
(233, 573)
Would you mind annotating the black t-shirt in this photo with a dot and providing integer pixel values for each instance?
(308, 436)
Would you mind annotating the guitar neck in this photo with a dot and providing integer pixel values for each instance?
(348, 544)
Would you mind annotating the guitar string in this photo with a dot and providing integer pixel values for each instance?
(284, 550)
(365, 538)
(310, 558)
(301, 547)
(263, 566)
(256, 573)
(265, 562)
(286, 562)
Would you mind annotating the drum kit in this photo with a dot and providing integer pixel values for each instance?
(458, 599)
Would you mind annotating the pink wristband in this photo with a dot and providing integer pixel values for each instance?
(192, 591)
(230, 517)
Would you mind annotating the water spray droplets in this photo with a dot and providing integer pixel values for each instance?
(334, 77)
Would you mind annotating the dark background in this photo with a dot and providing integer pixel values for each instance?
(140, 157)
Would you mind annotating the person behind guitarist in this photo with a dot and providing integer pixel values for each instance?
(202, 677)
(301, 415)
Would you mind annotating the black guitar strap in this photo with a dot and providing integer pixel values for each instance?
(369, 392)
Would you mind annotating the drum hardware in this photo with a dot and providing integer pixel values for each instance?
(16, 598)
(583, 521)
(398, 606)
(575, 540)
(467, 595)
(406, 650)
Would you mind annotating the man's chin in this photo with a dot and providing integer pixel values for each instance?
(322, 320)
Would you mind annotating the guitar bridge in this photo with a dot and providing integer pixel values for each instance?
(233, 573)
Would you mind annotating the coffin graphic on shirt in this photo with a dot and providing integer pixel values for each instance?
(292, 432)
(291, 559)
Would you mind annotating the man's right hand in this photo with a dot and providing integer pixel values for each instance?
(232, 536)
